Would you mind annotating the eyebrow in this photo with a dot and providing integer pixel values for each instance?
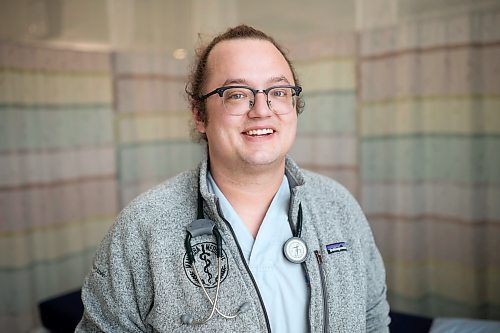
(273, 79)
(235, 81)
(276, 79)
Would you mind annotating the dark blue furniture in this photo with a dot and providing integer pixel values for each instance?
(61, 314)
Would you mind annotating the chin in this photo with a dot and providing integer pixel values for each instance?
(265, 160)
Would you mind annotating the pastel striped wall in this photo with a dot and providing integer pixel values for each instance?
(327, 134)
(406, 117)
(152, 117)
(81, 134)
(430, 152)
(57, 177)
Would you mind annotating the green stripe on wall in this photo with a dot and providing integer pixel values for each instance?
(62, 127)
(38, 282)
(455, 158)
(156, 160)
(328, 112)
(445, 115)
(134, 145)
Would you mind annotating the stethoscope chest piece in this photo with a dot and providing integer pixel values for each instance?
(295, 250)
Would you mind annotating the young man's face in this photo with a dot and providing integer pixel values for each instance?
(232, 140)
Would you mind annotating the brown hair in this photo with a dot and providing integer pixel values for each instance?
(198, 76)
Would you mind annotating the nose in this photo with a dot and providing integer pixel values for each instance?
(260, 107)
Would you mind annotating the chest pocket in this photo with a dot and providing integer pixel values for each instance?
(345, 283)
(344, 265)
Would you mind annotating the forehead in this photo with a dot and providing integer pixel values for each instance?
(251, 60)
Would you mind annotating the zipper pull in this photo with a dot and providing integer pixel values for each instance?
(318, 257)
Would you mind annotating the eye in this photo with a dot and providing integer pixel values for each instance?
(235, 94)
(280, 92)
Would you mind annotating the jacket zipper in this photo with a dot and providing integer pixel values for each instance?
(246, 266)
(308, 279)
(323, 290)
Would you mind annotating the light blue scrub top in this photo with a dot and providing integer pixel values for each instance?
(281, 283)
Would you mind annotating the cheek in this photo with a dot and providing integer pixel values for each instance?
(292, 124)
(216, 129)
(222, 125)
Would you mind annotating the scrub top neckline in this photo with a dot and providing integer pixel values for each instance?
(273, 222)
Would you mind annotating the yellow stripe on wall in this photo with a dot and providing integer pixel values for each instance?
(41, 88)
(50, 243)
(453, 200)
(416, 279)
(458, 115)
(328, 74)
(145, 127)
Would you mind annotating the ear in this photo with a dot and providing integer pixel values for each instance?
(199, 124)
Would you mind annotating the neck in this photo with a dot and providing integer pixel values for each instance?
(250, 191)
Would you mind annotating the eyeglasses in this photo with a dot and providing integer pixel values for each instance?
(238, 100)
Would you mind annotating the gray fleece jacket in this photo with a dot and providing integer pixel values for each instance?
(141, 280)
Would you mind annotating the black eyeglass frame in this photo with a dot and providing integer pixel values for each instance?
(220, 91)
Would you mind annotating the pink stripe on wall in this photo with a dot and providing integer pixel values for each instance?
(35, 206)
(327, 150)
(440, 240)
(464, 202)
(448, 72)
(46, 166)
(44, 58)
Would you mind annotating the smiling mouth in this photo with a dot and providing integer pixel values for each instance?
(260, 132)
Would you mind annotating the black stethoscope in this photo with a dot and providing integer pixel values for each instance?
(294, 249)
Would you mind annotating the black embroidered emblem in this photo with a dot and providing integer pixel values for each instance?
(205, 256)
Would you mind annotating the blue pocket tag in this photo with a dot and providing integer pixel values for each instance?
(336, 247)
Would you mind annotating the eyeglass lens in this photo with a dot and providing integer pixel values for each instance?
(238, 101)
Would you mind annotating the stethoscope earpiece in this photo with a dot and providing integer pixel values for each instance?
(202, 226)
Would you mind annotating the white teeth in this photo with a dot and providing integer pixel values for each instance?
(260, 131)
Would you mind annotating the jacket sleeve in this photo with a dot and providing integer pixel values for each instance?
(377, 307)
(115, 293)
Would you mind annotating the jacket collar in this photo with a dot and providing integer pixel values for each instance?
(292, 171)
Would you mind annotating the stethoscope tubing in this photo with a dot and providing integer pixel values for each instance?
(204, 226)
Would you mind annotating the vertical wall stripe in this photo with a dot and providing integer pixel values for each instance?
(58, 178)
(430, 153)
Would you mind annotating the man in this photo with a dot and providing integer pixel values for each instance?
(247, 242)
